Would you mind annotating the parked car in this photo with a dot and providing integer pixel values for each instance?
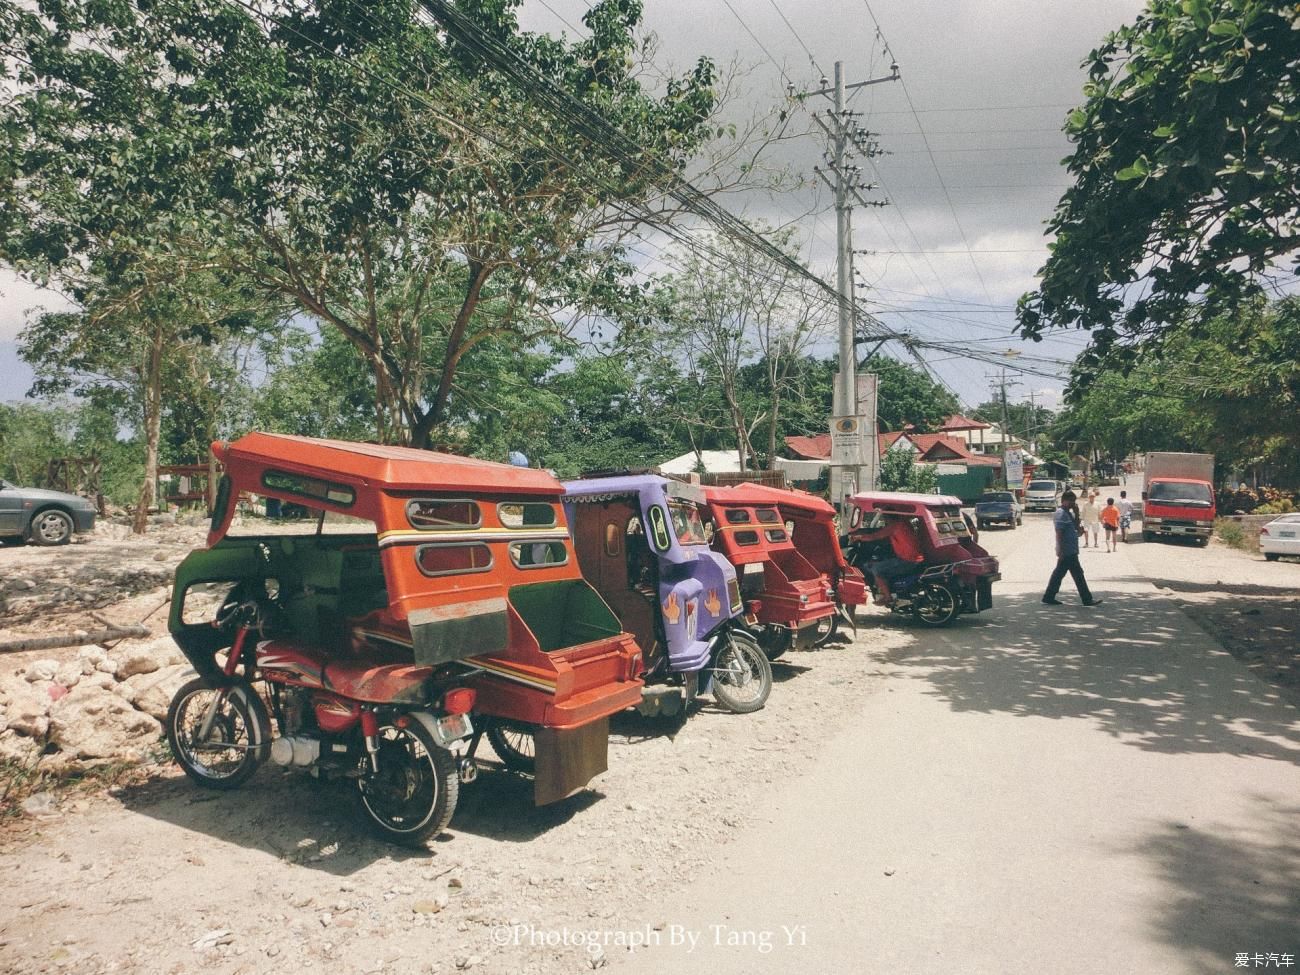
(1280, 537)
(1042, 495)
(44, 517)
(998, 508)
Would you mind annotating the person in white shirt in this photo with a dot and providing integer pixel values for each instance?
(1125, 515)
(1090, 518)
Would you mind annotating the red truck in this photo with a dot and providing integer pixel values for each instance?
(1178, 499)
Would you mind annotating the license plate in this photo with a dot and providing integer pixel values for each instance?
(1287, 534)
(452, 728)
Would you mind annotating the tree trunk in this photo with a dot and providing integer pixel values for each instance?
(771, 430)
(423, 430)
(152, 429)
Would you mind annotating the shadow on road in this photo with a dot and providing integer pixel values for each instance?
(1228, 892)
(1135, 665)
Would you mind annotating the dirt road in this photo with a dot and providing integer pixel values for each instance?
(1048, 789)
(1034, 790)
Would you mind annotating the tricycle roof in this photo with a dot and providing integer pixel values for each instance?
(871, 500)
(629, 485)
(394, 468)
(763, 494)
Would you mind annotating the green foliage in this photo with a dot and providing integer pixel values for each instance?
(30, 437)
(908, 395)
(900, 472)
(352, 160)
(1231, 533)
(1186, 160)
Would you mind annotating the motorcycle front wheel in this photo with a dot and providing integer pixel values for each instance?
(413, 794)
(934, 605)
(742, 675)
(236, 742)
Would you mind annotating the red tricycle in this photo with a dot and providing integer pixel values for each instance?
(918, 555)
(438, 598)
(788, 601)
(814, 529)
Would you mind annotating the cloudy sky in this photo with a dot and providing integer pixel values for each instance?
(973, 136)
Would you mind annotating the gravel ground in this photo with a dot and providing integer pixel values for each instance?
(1248, 604)
(160, 877)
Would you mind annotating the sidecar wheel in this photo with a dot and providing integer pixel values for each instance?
(414, 793)
(826, 629)
(934, 605)
(237, 743)
(515, 745)
(742, 675)
(774, 641)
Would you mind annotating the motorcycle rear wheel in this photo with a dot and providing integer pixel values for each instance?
(237, 743)
(934, 605)
(515, 744)
(414, 793)
(742, 675)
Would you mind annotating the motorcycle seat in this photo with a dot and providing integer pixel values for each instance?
(378, 683)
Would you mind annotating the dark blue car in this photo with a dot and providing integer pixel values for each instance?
(998, 508)
(44, 517)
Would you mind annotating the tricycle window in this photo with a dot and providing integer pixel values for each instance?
(309, 487)
(737, 516)
(767, 516)
(688, 524)
(453, 559)
(436, 515)
(527, 514)
(538, 555)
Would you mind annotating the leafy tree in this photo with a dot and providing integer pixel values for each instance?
(908, 395)
(899, 471)
(352, 159)
(745, 321)
(1026, 419)
(135, 345)
(1186, 167)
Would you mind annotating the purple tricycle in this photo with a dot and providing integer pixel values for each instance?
(641, 543)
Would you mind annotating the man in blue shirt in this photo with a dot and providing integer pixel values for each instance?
(1067, 555)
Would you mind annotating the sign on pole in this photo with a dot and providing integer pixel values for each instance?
(1015, 464)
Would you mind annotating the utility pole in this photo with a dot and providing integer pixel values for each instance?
(846, 182)
(999, 385)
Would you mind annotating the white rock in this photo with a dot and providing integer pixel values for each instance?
(68, 674)
(107, 666)
(91, 722)
(17, 748)
(28, 709)
(153, 692)
(39, 670)
(41, 804)
(134, 662)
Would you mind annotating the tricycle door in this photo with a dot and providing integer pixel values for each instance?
(616, 559)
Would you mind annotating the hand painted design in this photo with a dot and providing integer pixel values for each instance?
(672, 609)
(712, 603)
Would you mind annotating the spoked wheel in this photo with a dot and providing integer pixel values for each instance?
(774, 641)
(742, 676)
(934, 605)
(825, 629)
(236, 740)
(414, 793)
(515, 744)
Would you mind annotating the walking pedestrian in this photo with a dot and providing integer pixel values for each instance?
(1090, 516)
(1125, 515)
(1110, 519)
(1067, 555)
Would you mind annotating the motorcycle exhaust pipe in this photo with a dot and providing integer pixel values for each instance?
(466, 770)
